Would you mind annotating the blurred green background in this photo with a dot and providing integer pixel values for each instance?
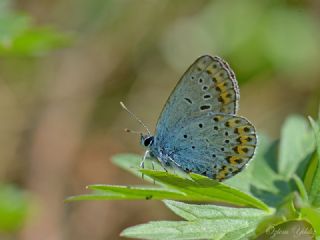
(66, 64)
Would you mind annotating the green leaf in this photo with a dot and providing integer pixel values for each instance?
(304, 167)
(202, 229)
(295, 145)
(111, 192)
(193, 212)
(240, 234)
(13, 208)
(198, 188)
(201, 188)
(36, 42)
(18, 36)
(310, 171)
(301, 188)
(204, 222)
(314, 193)
(313, 216)
(131, 163)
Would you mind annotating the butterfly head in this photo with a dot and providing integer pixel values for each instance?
(146, 140)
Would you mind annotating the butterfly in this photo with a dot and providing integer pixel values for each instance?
(198, 130)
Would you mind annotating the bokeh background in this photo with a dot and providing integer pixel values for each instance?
(66, 64)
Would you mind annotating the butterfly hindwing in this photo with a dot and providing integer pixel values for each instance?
(214, 145)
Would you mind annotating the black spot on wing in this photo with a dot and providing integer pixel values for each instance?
(204, 107)
(188, 100)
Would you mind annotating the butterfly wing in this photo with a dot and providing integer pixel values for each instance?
(209, 85)
(214, 145)
(198, 130)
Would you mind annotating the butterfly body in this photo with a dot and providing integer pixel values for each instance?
(198, 130)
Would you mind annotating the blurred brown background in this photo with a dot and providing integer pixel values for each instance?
(59, 99)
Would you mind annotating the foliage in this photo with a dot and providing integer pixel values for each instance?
(278, 190)
(253, 34)
(19, 37)
(13, 208)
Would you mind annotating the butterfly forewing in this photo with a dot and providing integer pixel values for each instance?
(208, 85)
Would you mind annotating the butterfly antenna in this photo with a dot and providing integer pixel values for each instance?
(132, 114)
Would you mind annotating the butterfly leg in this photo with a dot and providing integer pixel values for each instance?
(174, 165)
(167, 164)
(152, 164)
(163, 165)
(146, 154)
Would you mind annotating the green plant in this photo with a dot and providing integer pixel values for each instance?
(278, 193)
(20, 37)
(14, 206)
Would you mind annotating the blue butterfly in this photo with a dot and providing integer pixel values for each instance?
(198, 130)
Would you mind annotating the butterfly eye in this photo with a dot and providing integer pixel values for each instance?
(148, 141)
